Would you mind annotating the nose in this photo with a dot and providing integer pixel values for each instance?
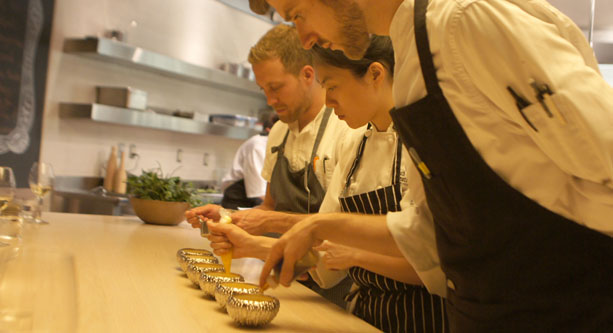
(308, 38)
(271, 99)
(331, 102)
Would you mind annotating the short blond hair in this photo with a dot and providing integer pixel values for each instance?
(281, 42)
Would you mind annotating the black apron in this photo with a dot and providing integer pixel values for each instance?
(288, 189)
(235, 196)
(389, 305)
(511, 264)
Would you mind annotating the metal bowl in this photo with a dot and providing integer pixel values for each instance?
(187, 259)
(209, 280)
(195, 269)
(225, 289)
(200, 252)
(252, 310)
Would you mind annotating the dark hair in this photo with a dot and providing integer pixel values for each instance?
(380, 50)
(268, 118)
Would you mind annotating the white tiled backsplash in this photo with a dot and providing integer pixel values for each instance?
(203, 32)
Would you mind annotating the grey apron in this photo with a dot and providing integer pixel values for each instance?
(289, 189)
(389, 305)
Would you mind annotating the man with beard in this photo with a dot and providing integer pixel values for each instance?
(508, 122)
(301, 147)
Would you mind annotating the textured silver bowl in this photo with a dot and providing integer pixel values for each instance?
(195, 258)
(209, 280)
(225, 289)
(195, 269)
(187, 250)
(252, 310)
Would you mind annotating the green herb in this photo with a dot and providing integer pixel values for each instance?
(154, 186)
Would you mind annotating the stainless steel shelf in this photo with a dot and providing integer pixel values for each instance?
(121, 116)
(136, 57)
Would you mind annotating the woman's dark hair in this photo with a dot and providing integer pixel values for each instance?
(380, 50)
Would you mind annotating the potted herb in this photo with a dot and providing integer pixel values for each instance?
(161, 200)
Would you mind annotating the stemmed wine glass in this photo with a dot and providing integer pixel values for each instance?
(41, 182)
(7, 190)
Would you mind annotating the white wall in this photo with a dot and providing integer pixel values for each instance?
(203, 32)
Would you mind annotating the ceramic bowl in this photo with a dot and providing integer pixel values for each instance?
(252, 309)
(209, 281)
(159, 212)
(225, 289)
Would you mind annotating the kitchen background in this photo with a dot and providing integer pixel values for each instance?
(205, 33)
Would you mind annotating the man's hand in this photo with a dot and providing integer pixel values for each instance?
(254, 221)
(338, 257)
(207, 212)
(292, 246)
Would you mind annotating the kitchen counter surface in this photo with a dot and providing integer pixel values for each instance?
(128, 280)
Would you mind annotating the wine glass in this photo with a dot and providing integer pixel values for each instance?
(7, 190)
(41, 182)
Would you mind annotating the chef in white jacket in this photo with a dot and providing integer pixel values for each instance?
(509, 124)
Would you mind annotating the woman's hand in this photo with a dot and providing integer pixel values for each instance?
(206, 212)
(224, 237)
(338, 257)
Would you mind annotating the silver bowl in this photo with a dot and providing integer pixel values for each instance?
(195, 269)
(225, 289)
(187, 250)
(209, 280)
(195, 258)
(252, 310)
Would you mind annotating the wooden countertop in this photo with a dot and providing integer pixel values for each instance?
(128, 280)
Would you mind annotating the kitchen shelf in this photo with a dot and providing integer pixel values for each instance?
(136, 57)
(129, 117)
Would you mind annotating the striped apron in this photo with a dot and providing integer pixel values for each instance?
(387, 304)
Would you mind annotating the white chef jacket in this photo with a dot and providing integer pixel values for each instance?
(374, 172)
(299, 146)
(480, 47)
(247, 165)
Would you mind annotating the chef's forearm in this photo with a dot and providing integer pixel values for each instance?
(397, 268)
(280, 222)
(368, 232)
(260, 247)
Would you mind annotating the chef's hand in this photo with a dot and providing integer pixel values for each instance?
(207, 212)
(225, 236)
(336, 256)
(253, 221)
(292, 246)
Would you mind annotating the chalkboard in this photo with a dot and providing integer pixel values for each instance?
(25, 29)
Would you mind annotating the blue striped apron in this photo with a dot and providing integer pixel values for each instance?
(387, 304)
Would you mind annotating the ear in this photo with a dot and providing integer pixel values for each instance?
(307, 73)
(376, 73)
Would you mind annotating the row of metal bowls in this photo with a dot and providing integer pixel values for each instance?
(244, 302)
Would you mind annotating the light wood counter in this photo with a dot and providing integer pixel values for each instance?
(128, 280)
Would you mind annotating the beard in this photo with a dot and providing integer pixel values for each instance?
(293, 113)
(354, 38)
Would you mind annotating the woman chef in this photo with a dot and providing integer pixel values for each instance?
(369, 179)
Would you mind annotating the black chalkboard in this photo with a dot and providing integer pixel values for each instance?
(25, 29)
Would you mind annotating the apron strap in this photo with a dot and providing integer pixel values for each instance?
(396, 174)
(358, 158)
(423, 48)
(320, 133)
(280, 147)
(356, 161)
